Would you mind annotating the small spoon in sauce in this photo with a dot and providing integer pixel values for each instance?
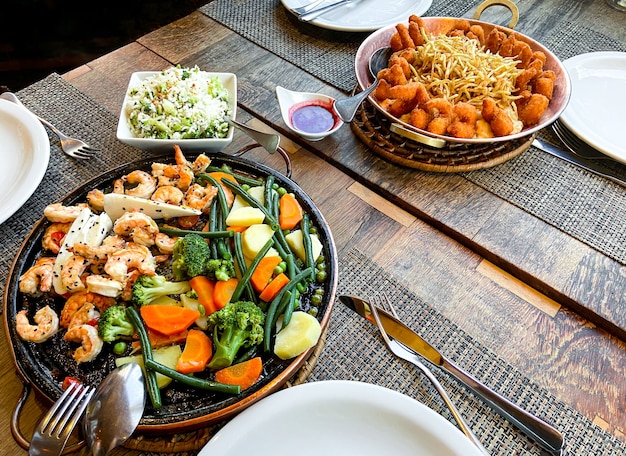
(347, 108)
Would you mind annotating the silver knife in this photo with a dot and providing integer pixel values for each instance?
(541, 432)
(584, 163)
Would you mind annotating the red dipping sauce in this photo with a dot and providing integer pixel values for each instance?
(313, 116)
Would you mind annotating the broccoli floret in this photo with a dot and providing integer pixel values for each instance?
(189, 257)
(236, 325)
(114, 324)
(220, 269)
(148, 288)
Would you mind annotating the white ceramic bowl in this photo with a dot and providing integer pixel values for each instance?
(124, 134)
(322, 120)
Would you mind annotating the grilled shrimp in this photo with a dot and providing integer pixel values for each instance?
(87, 313)
(38, 278)
(140, 227)
(58, 213)
(199, 197)
(47, 325)
(75, 302)
(72, 273)
(90, 342)
(135, 256)
(53, 236)
(137, 183)
(168, 194)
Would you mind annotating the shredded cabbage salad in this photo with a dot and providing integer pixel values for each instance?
(178, 103)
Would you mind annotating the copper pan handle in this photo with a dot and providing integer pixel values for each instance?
(507, 3)
(15, 423)
(418, 137)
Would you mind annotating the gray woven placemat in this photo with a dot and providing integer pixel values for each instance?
(75, 114)
(322, 53)
(576, 202)
(354, 351)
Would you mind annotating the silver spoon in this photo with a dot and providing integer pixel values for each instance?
(115, 410)
(269, 141)
(347, 108)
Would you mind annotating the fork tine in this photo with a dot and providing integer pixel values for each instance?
(78, 407)
(390, 306)
(50, 419)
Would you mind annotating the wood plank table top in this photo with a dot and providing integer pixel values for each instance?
(535, 305)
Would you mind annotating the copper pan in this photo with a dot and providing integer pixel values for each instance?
(439, 25)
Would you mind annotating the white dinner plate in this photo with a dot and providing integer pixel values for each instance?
(597, 108)
(364, 15)
(339, 417)
(24, 152)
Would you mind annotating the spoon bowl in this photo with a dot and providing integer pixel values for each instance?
(347, 108)
(115, 409)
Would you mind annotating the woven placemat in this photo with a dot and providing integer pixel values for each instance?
(325, 54)
(354, 351)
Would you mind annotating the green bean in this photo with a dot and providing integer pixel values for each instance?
(189, 380)
(246, 277)
(213, 229)
(221, 196)
(309, 261)
(240, 177)
(270, 318)
(269, 182)
(204, 234)
(280, 236)
(241, 263)
(252, 201)
(151, 381)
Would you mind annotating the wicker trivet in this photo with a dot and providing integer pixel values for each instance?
(191, 442)
(374, 129)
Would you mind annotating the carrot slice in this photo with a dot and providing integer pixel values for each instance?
(237, 229)
(244, 374)
(219, 175)
(168, 320)
(224, 289)
(204, 288)
(263, 272)
(290, 212)
(158, 340)
(274, 287)
(196, 354)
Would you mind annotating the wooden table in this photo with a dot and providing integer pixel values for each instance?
(520, 303)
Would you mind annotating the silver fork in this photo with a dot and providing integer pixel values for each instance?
(57, 425)
(404, 353)
(71, 146)
(576, 145)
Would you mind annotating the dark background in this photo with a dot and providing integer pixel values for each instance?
(38, 37)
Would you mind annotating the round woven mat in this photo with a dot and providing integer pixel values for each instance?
(374, 129)
(193, 441)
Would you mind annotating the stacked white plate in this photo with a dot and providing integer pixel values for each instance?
(25, 152)
(596, 112)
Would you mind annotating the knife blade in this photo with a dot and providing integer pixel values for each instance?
(574, 159)
(548, 437)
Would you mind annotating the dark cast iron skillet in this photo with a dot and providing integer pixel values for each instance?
(43, 367)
